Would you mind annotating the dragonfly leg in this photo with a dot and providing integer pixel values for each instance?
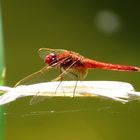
(61, 79)
(77, 77)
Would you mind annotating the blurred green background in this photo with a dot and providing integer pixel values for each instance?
(103, 30)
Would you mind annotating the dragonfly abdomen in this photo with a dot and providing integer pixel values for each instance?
(101, 65)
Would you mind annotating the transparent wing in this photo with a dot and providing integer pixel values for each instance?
(41, 76)
(44, 51)
(36, 77)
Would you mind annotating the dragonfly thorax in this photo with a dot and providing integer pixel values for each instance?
(50, 58)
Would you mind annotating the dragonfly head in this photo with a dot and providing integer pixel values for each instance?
(50, 58)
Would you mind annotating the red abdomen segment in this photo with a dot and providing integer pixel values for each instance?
(88, 63)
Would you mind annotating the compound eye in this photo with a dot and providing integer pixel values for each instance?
(50, 58)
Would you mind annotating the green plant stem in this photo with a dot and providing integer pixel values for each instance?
(1, 77)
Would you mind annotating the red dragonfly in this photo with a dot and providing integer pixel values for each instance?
(71, 64)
